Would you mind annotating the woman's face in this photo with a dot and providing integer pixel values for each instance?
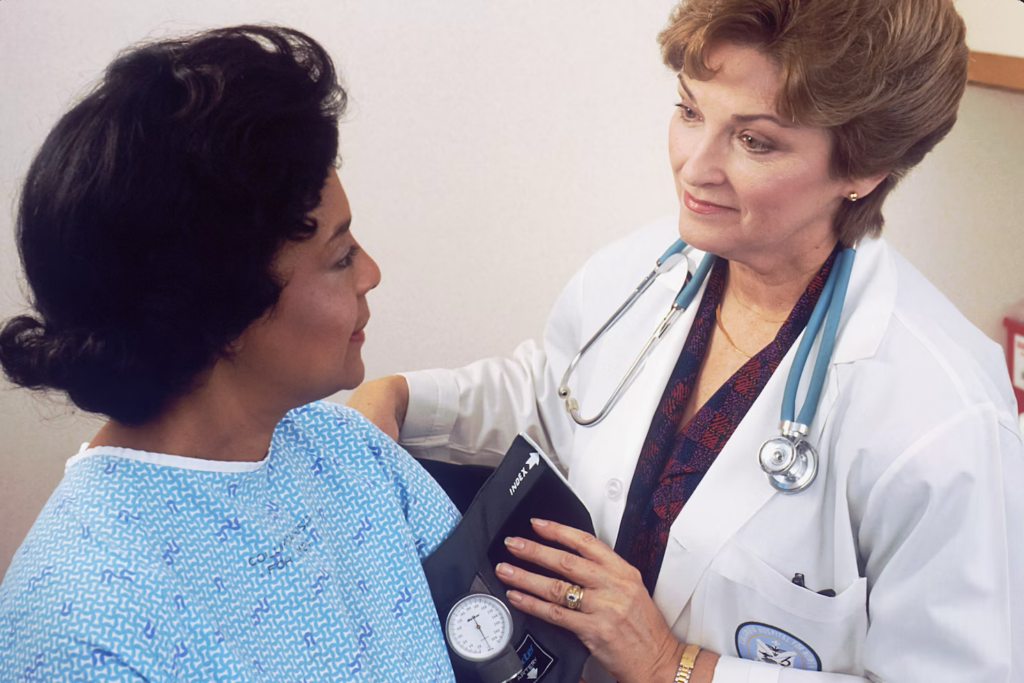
(753, 187)
(308, 346)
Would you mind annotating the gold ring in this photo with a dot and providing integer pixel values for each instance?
(573, 597)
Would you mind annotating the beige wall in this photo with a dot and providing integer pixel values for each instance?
(490, 147)
(994, 25)
(960, 216)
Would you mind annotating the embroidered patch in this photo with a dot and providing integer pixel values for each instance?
(764, 643)
(536, 661)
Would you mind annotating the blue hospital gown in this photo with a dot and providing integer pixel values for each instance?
(303, 567)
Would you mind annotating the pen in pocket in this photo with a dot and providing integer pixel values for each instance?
(798, 579)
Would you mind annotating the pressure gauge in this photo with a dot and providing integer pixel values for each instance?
(479, 627)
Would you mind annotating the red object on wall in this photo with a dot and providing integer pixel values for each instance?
(1014, 324)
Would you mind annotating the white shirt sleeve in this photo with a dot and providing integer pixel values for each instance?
(736, 670)
(937, 537)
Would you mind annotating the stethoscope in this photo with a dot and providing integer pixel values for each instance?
(790, 462)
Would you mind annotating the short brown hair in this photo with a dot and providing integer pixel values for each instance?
(885, 77)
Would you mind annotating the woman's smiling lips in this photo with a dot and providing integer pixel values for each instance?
(702, 207)
(359, 335)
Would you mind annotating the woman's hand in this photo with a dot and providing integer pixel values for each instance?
(617, 620)
(384, 402)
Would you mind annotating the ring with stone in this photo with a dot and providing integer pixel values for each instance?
(573, 597)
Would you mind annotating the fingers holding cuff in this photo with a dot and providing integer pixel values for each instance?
(564, 594)
(550, 612)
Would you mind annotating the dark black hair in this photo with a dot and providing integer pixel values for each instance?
(150, 217)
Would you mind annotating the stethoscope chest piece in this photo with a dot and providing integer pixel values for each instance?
(790, 462)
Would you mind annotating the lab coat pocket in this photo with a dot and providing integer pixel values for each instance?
(752, 611)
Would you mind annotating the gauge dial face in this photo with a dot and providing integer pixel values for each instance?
(479, 626)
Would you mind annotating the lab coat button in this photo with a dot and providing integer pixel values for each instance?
(614, 489)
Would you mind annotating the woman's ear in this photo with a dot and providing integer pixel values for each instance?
(858, 188)
(235, 345)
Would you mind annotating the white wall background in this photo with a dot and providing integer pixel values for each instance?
(994, 25)
(489, 148)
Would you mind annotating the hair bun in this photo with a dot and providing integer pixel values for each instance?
(97, 374)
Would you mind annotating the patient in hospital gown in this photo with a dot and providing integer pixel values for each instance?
(195, 279)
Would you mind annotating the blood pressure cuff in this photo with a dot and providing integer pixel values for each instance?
(525, 485)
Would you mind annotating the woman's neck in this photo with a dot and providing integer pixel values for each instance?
(771, 293)
(215, 421)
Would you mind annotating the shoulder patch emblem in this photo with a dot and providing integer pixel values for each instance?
(764, 643)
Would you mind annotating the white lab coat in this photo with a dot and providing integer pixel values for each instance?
(916, 518)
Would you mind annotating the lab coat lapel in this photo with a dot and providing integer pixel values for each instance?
(869, 303)
(610, 452)
(732, 491)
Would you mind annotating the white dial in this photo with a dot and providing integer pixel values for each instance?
(479, 626)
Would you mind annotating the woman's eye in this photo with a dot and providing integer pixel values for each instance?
(346, 260)
(753, 144)
(686, 113)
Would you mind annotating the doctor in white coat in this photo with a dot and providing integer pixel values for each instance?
(904, 559)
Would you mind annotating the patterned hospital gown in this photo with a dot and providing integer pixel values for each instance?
(303, 567)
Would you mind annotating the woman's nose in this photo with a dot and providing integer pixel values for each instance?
(370, 274)
(704, 163)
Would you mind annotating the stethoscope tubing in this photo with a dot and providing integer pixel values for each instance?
(683, 299)
(830, 305)
(802, 467)
(842, 269)
(789, 460)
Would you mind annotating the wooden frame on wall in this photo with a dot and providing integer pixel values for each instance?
(1000, 71)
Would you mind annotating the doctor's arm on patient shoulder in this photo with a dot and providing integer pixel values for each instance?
(384, 402)
(470, 414)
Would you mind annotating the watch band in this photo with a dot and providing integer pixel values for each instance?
(686, 663)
